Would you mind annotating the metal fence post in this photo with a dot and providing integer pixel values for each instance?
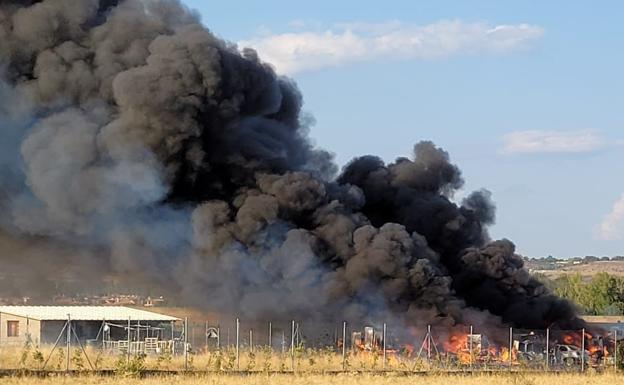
(270, 336)
(186, 343)
(251, 340)
(429, 338)
(297, 334)
(68, 341)
(384, 346)
(173, 351)
(470, 346)
(103, 334)
(292, 346)
(547, 348)
(615, 350)
(510, 347)
(128, 340)
(583, 350)
(237, 344)
(344, 345)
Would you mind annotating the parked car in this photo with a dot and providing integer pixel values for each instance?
(568, 355)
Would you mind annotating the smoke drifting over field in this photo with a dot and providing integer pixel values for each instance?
(153, 150)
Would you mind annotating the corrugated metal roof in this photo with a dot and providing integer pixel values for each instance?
(603, 319)
(84, 313)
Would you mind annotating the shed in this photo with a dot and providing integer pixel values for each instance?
(42, 325)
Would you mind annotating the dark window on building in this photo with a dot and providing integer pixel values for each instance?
(12, 328)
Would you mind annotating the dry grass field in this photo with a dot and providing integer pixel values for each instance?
(313, 367)
(342, 379)
(261, 360)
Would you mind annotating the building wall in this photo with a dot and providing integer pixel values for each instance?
(50, 331)
(85, 330)
(47, 332)
(610, 327)
(27, 328)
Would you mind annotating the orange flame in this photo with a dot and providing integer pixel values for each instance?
(458, 344)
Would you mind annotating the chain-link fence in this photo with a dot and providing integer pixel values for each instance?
(296, 346)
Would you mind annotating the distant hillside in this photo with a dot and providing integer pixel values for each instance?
(589, 269)
(586, 266)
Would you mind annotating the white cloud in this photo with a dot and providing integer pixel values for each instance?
(536, 141)
(612, 226)
(347, 43)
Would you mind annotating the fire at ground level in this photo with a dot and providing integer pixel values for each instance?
(554, 349)
(380, 346)
(374, 349)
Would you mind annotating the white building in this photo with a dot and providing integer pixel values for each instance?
(42, 325)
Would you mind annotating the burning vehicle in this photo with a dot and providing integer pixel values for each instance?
(569, 355)
(530, 347)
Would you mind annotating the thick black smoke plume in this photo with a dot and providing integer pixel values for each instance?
(137, 144)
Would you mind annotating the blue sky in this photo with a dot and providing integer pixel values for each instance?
(525, 95)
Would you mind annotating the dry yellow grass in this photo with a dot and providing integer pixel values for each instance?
(261, 360)
(313, 367)
(342, 379)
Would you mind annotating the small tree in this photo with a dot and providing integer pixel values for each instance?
(38, 358)
(23, 362)
(130, 368)
(216, 361)
(77, 360)
(251, 361)
(60, 359)
(164, 359)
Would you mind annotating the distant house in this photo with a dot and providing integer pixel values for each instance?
(42, 325)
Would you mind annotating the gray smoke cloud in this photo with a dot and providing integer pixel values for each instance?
(136, 144)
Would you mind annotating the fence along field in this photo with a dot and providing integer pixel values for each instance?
(367, 350)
